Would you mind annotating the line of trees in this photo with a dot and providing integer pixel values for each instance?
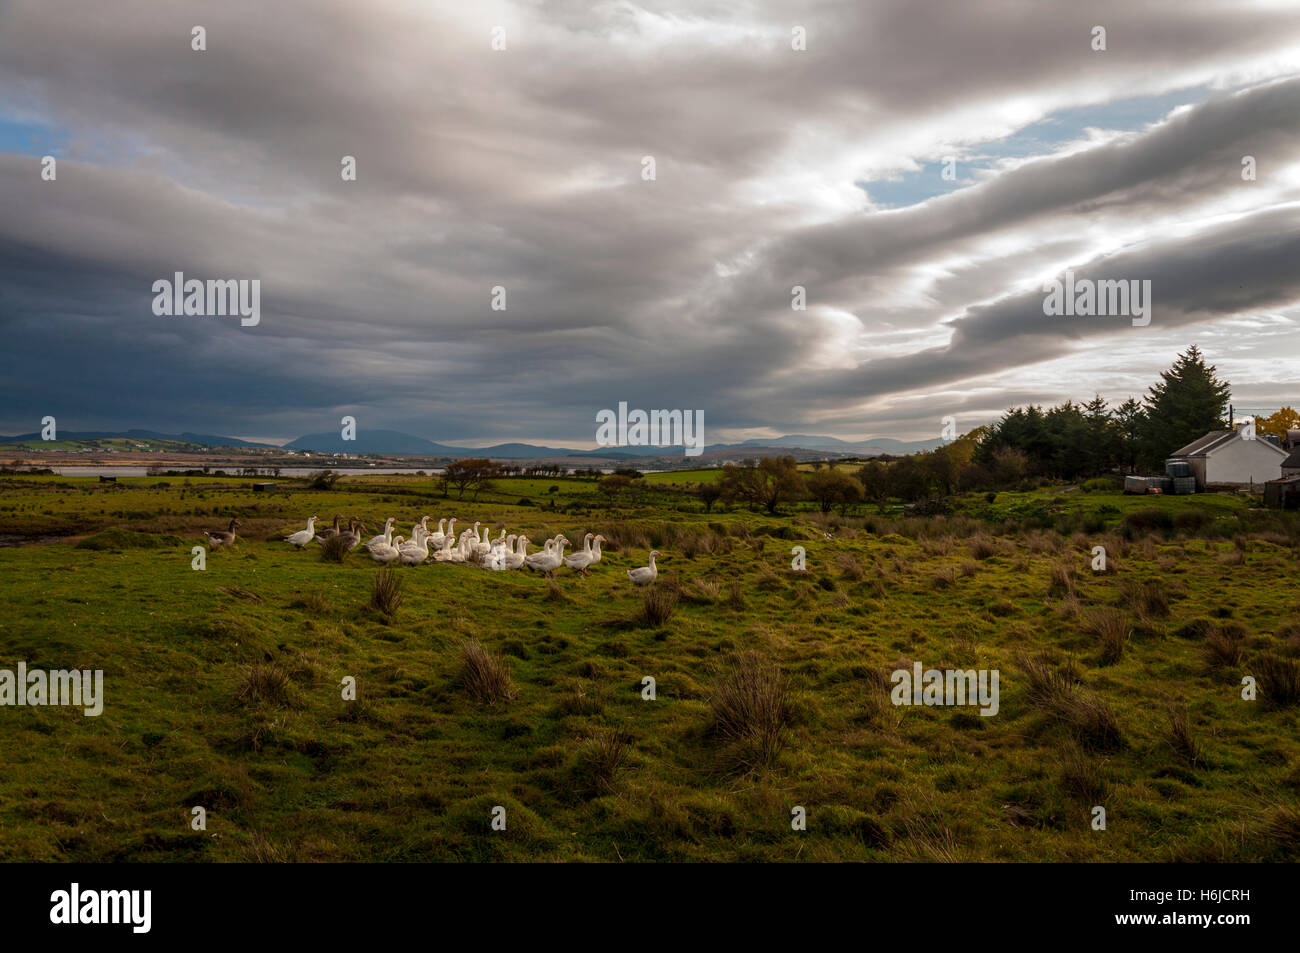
(1072, 441)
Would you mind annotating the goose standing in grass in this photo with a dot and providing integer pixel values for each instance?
(386, 553)
(412, 554)
(496, 559)
(327, 533)
(444, 553)
(595, 549)
(580, 562)
(386, 537)
(515, 559)
(548, 560)
(224, 537)
(483, 545)
(353, 534)
(644, 575)
(303, 536)
(435, 539)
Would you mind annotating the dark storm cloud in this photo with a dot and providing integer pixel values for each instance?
(522, 169)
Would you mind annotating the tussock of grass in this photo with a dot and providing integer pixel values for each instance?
(1222, 647)
(658, 603)
(600, 762)
(1147, 596)
(1081, 776)
(485, 675)
(335, 548)
(1180, 736)
(1111, 630)
(386, 591)
(1279, 679)
(751, 710)
(265, 683)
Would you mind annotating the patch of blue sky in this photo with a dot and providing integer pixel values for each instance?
(1036, 139)
(31, 138)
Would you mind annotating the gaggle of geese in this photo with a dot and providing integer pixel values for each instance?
(472, 547)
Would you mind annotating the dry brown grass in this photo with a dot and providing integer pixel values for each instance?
(1180, 736)
(1111, 630)
(751, 710)
(265, 683)
(485, 675)
(1222, 647)
(658, 603)
(386, 591)
(1279, 679)
(335, 549)
(601, 760)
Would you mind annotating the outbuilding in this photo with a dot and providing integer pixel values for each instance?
(1283, 494)
(1226, 456)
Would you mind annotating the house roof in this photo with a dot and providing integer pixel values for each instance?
(1203, 445)
(1214, 440)
(1293, 460)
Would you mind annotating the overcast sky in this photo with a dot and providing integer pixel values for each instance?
(523, 168)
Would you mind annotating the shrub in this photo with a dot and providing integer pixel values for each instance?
(485, 675)
(386, 591)
(323, 480)
(1146, 520)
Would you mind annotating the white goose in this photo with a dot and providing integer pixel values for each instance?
(444, 553)
(496, 559)
(595, 549)
(436, 538)
(386, 537)
(644, 575)
(483, 544)
(303, 536)
(516, 559)
(386, 553)
(549, 559)
(579, 562)
(416, 552)
(463, 551)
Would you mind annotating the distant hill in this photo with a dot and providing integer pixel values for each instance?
(872, 447)
(202, 439)
(388, 442)
(371, 441)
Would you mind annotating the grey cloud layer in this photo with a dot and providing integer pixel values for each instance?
(522, 169)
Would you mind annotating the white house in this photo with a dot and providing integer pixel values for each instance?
(1225, 456)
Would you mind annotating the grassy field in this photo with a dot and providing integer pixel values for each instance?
(1119, 689)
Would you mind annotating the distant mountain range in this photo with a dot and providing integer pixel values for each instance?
(202, 439)
(387, 442)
